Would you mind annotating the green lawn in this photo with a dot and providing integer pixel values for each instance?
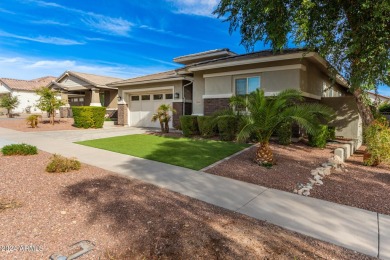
(185, 152)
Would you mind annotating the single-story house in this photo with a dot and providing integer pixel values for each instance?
(208, 79)
(377, 98)
(25, 91)
(83, 89)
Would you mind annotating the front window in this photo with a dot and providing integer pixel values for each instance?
(245, 86)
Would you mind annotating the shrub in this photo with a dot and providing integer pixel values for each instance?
(206, 127)
(384, 107)
(227, 127)
(189, 125)
(319, 138)
(88, 117)
(331, 132)
(59, 163)
(284, 133)
(377, 139)
(19, 149)
(32, 120)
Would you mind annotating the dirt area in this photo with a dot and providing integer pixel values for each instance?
(20, 124)
(133, 220)
(359, 186)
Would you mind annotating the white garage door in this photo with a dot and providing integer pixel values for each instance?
(143, 106)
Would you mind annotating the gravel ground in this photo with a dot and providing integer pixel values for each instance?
(359, 186)
(20, 124)
(133, 220)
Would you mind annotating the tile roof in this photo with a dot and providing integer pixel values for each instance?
(166, 75)
(27, 85)
(96, 80)
(247, 56)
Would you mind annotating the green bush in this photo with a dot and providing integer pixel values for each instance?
(384, 107)
(284, 133)
(331, 133)
(19, 149)
(227, 128)
(189, 125)
(59, 163)
(88, 117)
(319, 138)
(377, 139)
(206, 127)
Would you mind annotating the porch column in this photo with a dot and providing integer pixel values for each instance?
(64, 97)
(123, 113)
(95, 99)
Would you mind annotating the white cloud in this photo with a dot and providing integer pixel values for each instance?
(30, 68)
(195, 7)
(115, 26)
(101, 23)
(42, 39)
(49, 22)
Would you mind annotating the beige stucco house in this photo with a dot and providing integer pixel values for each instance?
(207, 80)
(25, 91)
(83, 89)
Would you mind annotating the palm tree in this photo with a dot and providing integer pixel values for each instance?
(163, 116)
(266, 114)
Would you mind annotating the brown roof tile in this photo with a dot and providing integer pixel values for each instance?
(27, 85)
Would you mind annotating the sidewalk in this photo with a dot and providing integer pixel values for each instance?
(360, 230)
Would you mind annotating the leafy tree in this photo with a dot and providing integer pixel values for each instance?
(352, 35)
(163, 117)
(48, 101)
(9, 102)
(267, 114)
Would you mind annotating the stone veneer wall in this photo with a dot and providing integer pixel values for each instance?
(123, 114)
(215, 104)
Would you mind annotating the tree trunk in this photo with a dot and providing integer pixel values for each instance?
(166, 127)
(264, 155)
(52, 117)
(364, 110)
(162, 126)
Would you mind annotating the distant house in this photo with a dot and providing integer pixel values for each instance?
(377, 98)
(25, 91)
(208, 79)
(83, 89)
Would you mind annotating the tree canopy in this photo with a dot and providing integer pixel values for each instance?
(9, 102)
(48, 101)
(353, 35)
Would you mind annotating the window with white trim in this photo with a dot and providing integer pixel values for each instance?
(245, 86)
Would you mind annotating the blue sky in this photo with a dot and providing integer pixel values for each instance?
(121, 38)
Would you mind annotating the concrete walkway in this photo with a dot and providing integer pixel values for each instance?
(360, 230)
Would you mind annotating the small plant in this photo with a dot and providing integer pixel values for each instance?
(9, 204)
(318, 139)
(189, 125)
(32, 120)
(19, 149)
(163, 116)
(9, 102)
(284, 133)
(59, 163)
(377, 139)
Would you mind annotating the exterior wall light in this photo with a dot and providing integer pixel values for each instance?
(119, 98)
(177, 95)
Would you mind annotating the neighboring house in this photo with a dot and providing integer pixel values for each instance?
(83, 89)
(25, 91)
(376, 98)
(208, 79)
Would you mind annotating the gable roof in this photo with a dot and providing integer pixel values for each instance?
(248, 56)
(26, 85)
(170, 75)
(92, 79)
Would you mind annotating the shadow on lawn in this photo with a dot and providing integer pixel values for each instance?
(155, 223)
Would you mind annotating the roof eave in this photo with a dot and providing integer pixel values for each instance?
(121, 84)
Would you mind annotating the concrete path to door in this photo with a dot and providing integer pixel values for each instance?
(360, 230)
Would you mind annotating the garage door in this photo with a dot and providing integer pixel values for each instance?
(143, 106)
